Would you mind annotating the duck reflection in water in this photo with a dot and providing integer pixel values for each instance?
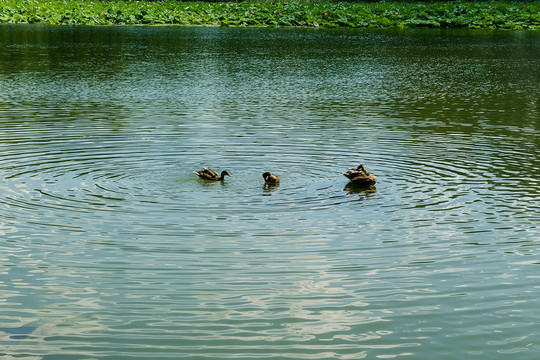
(367, 190)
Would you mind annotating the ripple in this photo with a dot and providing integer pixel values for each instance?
(85, 170)
(113, 247)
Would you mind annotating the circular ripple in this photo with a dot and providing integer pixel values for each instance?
(98, 169)
(107, 231)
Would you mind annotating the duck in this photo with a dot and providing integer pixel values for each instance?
(360, 176)
(209, 174)
(270, 178)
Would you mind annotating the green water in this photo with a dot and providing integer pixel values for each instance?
(111, 248)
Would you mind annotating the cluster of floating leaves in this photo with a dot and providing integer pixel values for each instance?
(482, 14)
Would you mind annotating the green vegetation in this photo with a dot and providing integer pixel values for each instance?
(438, 14)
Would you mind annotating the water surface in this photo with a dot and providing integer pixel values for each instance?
(111, 248)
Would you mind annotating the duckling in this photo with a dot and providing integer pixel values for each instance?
(270, 178)
(209, 174)
(360, 176)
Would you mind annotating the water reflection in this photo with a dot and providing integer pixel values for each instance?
(367, 190)
(269, 188)
(112, 245)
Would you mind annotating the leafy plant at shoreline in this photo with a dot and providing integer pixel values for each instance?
(439, 14)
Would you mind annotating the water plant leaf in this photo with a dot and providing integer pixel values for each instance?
(399, 14)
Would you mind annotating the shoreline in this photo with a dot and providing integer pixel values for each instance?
(437, 14)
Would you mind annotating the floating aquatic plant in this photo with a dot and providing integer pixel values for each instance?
(441, 14)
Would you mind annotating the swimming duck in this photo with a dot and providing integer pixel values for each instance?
(270, 178)
(360, 176)
(209, 174)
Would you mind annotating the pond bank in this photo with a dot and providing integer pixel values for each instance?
(449, 14)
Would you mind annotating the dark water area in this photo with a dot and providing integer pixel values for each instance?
(111, 248)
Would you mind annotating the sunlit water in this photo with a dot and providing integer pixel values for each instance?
(111, 248)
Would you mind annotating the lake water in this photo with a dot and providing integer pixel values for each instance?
(112, 248)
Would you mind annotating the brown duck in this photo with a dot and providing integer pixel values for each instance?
(270, 178)
(209, 174)
(360, 176)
